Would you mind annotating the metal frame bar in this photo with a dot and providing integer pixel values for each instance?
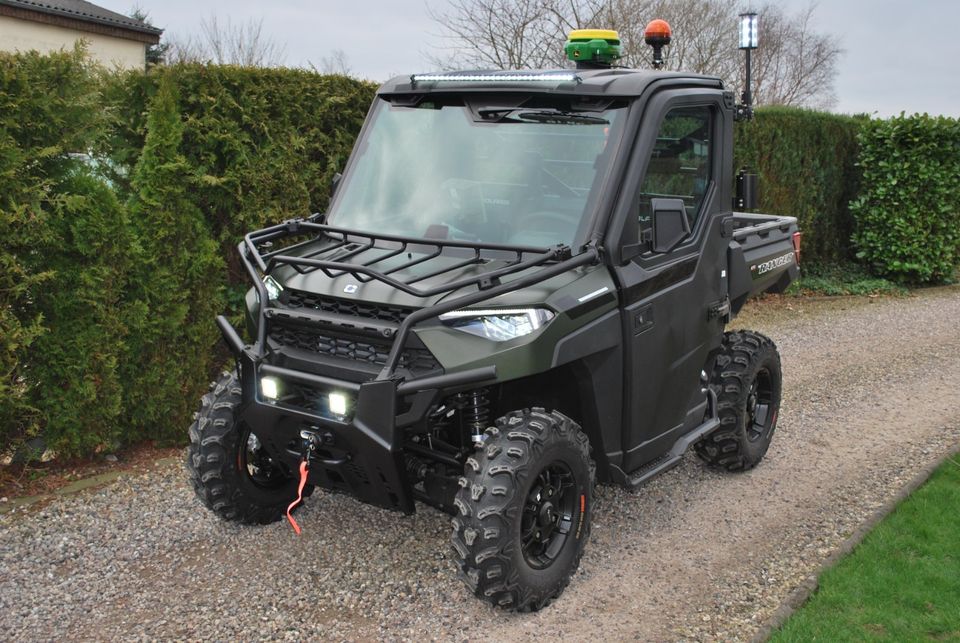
(487, 282)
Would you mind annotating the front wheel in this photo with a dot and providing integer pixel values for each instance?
(747, 379)
(524, 510)
(231, 472)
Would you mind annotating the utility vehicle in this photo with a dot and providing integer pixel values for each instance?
(520, 287)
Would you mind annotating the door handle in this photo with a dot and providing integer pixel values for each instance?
(642, 319)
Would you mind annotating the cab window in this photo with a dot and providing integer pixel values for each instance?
(679, 166)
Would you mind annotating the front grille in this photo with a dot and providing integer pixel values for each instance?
(366, 350)
(310, 301)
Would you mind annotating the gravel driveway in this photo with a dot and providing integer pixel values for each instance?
(869, 399)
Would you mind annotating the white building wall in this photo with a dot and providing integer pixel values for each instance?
(25, 35)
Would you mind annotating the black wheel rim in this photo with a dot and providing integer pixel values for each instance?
(254, 462)
(761, 406)
(548, 515)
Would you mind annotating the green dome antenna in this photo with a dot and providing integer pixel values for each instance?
(593, 48)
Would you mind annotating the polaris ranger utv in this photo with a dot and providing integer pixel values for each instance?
(520, 287)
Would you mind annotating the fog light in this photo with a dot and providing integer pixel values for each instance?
(270, 388)
(338, 403)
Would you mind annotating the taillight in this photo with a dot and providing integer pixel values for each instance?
(796, 245)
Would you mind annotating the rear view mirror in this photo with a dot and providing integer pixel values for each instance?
(670, 223)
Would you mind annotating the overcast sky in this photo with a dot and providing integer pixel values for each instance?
(900, 56)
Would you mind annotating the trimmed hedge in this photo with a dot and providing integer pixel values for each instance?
(176, 287)
(262, 144)
(908, 213)
(806, 162)
(63, 263)
(122, 198)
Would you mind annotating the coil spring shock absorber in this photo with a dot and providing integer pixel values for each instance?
(476, 412)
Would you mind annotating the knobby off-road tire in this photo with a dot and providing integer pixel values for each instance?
(232, 477)
(747, 379)
(524, 509)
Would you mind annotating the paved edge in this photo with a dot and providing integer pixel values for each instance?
(799, 596)
(77, 486)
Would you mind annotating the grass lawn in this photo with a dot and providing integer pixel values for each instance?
(902, 583)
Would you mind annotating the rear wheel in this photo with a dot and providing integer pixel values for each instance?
(747, 379)
(524, 510)
(231, 473)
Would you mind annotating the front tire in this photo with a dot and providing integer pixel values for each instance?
(524, 510)
(231, 474)
(747, 379)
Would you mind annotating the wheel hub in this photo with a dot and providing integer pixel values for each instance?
(758, 407)
(548, 515)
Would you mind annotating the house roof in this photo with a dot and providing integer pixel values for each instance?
(84, 12)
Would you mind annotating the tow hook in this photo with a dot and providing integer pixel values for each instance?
(309, 447)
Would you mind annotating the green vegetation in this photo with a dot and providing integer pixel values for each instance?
(122, 197)
(177, 284)
(908, 212)
(902, 583)
(806, 161)
(65, 254)
(846, 278)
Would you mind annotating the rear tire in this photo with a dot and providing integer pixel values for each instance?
(747, 379)
(524, 510)
(232, 476)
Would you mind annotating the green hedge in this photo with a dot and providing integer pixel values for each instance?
(908, 212)
(65, 255)
(262, 144)
(122, 198)
(806, 161)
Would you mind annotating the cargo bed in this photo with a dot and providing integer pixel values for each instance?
(763, 255)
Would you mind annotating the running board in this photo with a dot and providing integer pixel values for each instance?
(673, 457)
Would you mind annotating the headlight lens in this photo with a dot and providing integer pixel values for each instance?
(498, 325)
(273, 288)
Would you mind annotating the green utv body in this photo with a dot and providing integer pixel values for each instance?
(520, 288)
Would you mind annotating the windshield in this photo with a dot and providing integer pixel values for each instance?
(482, 173)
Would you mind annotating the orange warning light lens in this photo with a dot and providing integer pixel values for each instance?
(657, 32)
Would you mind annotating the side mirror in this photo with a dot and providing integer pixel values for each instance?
(670, 224)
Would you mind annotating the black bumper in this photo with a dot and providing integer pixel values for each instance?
(361, 453)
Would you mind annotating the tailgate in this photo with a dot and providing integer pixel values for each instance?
(761, 256)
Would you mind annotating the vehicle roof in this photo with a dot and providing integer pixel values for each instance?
(602, 82)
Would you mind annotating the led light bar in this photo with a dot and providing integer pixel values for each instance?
(562, 77)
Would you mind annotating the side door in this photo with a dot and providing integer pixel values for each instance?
(669, 321)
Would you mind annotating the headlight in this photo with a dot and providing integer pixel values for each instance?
(498, 325)
(273, 288)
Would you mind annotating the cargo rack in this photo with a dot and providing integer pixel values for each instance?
(259, 260)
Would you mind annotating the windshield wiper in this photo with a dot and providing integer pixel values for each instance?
(559, 117)
(550, 116)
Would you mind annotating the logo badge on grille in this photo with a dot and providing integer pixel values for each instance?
(350, 289)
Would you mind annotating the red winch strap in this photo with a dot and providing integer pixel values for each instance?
(303, 483)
